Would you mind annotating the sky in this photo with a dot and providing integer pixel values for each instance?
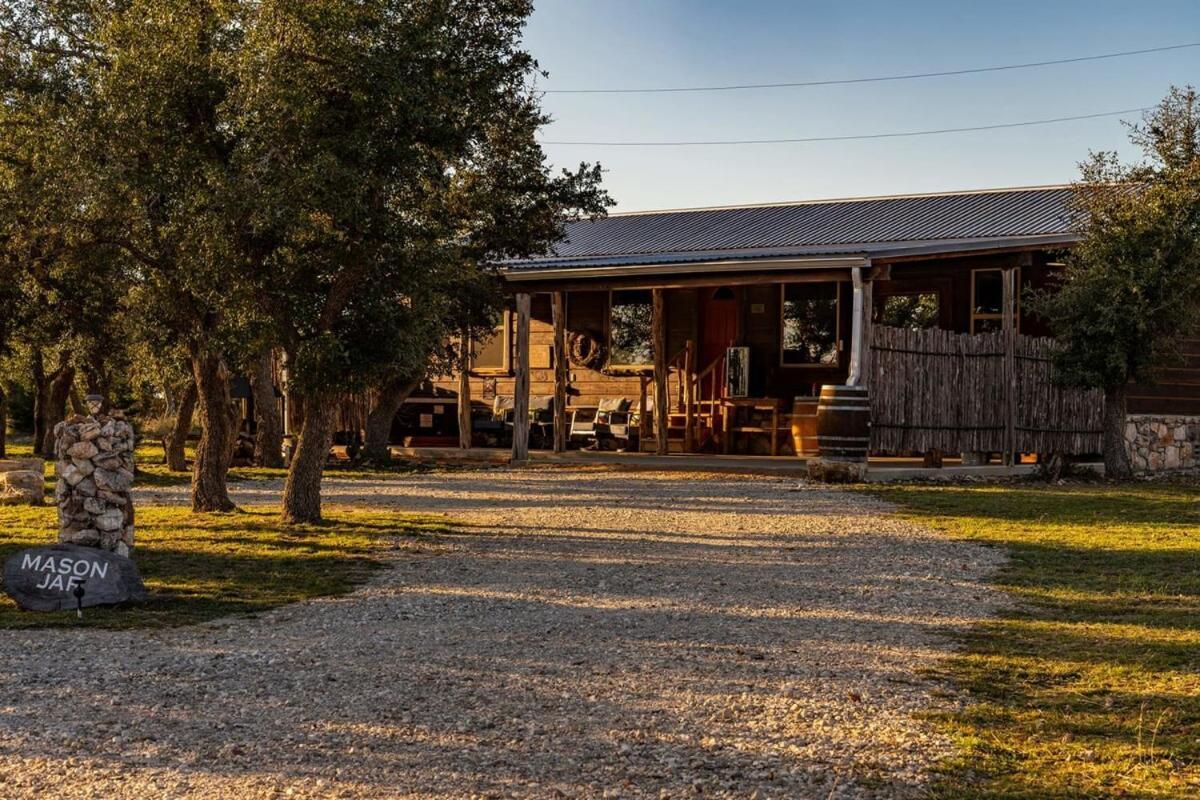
(587, 44)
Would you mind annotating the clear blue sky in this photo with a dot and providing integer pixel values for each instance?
(638, 43)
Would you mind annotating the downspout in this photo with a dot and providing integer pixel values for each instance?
(856, 329)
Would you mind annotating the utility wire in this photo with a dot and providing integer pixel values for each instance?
(875, 79)
(854, 136)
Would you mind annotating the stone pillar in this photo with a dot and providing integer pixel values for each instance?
(95, 475)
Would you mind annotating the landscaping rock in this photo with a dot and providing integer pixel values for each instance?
(22, 487)
(46, 578)
(829, 471)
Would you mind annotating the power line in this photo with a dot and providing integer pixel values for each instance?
(855, 136)
(875, 79)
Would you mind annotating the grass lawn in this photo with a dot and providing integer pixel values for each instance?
(199, 567)
(152, 472)
(1090, 688)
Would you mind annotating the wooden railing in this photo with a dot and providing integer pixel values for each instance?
(694, 392)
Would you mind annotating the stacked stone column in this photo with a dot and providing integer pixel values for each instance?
(95, 475)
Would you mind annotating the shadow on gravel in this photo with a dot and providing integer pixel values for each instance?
(777, 651)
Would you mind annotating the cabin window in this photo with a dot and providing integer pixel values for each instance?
(493, 355)
(809, 328)
(630, 329)
(987, 300)
(916, 311)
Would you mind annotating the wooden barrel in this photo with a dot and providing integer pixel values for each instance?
(844, 423)
(804, 426)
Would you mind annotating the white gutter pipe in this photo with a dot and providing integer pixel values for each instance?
(856, 329)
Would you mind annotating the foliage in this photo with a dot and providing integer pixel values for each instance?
(385, 152)
(1086, 687)
(913, 311)
(200, 567)
(1128, 292)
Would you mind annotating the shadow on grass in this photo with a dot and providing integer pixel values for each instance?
(200, 567)
(1090, 686)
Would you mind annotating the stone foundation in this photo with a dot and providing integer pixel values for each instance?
(1162, 443)
(95, 476)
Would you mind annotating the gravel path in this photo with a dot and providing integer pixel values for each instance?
(587, 634)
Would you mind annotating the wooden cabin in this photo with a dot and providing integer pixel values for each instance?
(733, 318)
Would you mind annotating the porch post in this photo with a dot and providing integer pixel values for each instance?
(1010, 404)
(559, 312)
(689, 397)
(856, 330)
(464, 395)
(520, 443)
(661, 409)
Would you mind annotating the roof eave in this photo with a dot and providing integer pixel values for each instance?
(747, 264)
(976, 247)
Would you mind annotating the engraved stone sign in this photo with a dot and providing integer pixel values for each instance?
(48, 578)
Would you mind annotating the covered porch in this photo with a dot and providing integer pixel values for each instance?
(733, 354)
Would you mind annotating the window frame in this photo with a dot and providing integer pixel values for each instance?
(997, 317)
(506, 367)
(609, 364)
(837, 325)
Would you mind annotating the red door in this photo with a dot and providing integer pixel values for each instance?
(718, 323)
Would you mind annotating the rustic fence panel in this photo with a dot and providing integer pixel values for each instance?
(946, 391)
(1048, 418)
(936, 390)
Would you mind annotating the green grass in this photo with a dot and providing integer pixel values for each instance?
(152, 472)
(1090, 687)
(200, 567)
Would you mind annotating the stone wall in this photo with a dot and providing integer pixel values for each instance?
(95, 475)
(1160, 443)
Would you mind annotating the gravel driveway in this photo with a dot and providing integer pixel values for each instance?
(587, 634)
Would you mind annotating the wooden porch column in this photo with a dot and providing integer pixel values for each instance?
(559, 311)
(464, 395)
(1010, 400)
(520, 443)
(661, 410)
(689, 397)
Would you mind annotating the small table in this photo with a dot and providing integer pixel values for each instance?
(734, 404)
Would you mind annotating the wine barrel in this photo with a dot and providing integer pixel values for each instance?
(804, 426)
(844, 423)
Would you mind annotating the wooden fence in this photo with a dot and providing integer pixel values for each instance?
(958, 393)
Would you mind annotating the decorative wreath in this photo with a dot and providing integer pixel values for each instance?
(586, 350)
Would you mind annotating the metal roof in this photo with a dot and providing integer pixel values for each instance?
(870, 227)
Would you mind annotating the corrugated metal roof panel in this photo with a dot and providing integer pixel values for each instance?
(832, 226)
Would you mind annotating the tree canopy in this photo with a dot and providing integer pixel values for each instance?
(1130, 290)
(333, 178)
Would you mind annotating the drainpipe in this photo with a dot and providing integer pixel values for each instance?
(856, 329)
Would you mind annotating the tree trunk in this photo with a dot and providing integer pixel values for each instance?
(268, 427)
(1116, 456)
(302, 491)
(3, 423)
(379, 422)
(218, 422)
(40, 392)
(176, 449)
(58, 390)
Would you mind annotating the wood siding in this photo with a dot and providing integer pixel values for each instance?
(1177, 389)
